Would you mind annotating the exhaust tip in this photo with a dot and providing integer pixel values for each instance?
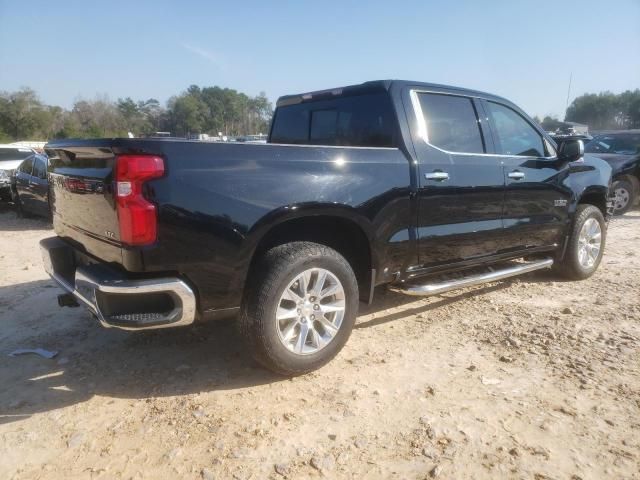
(67, 300)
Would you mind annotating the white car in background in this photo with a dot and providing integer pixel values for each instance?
(11, 157)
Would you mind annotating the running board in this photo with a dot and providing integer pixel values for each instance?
(441, 287)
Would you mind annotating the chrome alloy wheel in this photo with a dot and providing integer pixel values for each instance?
(310, 311)
(621, 198)
(589, 243)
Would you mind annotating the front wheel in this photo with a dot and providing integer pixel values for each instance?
(586, 244)
(300, 309)
(624, 196)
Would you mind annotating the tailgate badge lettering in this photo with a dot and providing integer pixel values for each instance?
(110, 234)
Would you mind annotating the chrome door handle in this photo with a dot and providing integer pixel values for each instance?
(516, 175)
(439, 176)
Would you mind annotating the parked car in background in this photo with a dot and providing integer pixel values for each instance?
(30, 187)
(10, 158)
(621, 150)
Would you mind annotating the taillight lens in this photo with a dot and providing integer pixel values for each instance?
(136, 215)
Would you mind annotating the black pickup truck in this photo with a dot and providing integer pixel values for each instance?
(423, 187)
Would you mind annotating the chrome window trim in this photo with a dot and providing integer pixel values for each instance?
(331, 146)
(422, 126)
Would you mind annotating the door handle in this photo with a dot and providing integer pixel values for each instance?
(438, 176)
(516, 175)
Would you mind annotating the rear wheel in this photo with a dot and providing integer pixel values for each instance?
(586, 244)
(624, 196)
(300, 309)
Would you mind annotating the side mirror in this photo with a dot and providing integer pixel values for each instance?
(571, 150)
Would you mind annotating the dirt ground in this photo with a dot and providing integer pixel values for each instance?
(532, 378)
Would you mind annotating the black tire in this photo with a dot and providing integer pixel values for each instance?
(570, 266)
(18, 204)
(625, 196)
(272, 275)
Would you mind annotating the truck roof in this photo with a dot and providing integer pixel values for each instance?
(378, 86)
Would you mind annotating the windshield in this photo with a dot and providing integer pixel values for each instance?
(7, 154)
(619, 144)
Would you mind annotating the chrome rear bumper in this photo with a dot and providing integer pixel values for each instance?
(116, 301)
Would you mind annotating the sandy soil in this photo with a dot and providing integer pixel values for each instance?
(531, 378)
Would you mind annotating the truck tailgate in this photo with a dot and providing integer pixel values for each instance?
(82, 199)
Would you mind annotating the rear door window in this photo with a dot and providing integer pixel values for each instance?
(451, 123)
(26, 166)
(40, 168)
(361, 121)
(513, 134)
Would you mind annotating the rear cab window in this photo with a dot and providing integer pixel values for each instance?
(620, 144)
(365, 120)
(40, 168)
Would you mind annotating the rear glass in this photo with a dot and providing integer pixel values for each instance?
(357, 121)
(7, 154)
(623, 144)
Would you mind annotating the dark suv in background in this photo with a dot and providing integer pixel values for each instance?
(11, 157)
(621, 150)
(30, 187)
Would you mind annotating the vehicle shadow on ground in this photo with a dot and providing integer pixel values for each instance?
(93, 360)
(386, 299)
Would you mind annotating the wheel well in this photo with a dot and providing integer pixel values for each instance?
(634, 181)
(595, 199)
(344, 236)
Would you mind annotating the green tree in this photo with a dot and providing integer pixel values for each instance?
(135, 116)
(154, 114)
(186, 114)
(550, 124)
(196, 110)
(261, 111)
(21, 114)
(606, 110)
(98, 118)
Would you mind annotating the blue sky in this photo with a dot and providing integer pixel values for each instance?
(523, 50)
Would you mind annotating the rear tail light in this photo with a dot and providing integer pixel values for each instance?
(137, 216)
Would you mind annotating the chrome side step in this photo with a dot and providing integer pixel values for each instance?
(445, 286)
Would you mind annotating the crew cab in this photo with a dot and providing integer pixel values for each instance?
(421, 187)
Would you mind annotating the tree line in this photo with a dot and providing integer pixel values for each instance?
(210, 110)
(601, 111)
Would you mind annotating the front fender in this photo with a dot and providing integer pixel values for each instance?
(588, 177)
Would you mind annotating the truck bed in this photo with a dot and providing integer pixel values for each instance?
(215, 199)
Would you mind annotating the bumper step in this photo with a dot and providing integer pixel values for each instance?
(436, 288)
(117, 301)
